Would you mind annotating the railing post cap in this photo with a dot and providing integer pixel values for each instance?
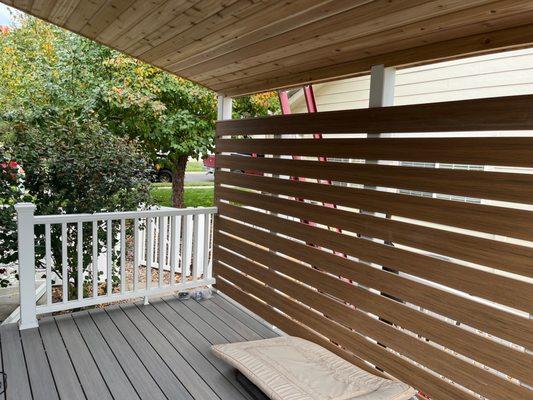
(25, 207)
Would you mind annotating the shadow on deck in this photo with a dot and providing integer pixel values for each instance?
(129, 351)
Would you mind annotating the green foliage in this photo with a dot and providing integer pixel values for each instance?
(48, 68)
(72, 165)
(11, 192)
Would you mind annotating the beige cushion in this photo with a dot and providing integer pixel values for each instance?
(290, 368)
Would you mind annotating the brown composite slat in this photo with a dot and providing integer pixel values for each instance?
(462, 372)
(479, 348)
(496, 254)
(483, 218)
(488, 319)
(513, 187)
(500, 289)
(500, 113)
(356, 344)
(504, 151)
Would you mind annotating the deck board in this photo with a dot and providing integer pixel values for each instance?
(165, 378)
(200, 343)
(91, 379)
(67, 382)
(18, 384)
(245, 317)
(229, 319)
(41, 380)
(129, 351)
(118, 383)
(145, 385)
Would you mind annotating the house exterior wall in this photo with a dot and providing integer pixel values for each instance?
(501, 74)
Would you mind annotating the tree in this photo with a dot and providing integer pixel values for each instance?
(172, 118)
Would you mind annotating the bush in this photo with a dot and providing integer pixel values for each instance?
(11, 192)
(74, 165)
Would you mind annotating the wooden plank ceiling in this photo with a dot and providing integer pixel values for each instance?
(238, 47)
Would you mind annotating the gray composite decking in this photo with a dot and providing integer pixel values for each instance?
(129, 351)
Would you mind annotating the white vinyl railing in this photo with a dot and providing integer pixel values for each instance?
(169, 249)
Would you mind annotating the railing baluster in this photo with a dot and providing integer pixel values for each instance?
(64, 261)
(161, 250)
(80, 260)
(95, 258)
(141, 250)
(135, 253)
(174, 246)
(195, 246)
(185, 249)
(122, 255)
(168, 236)
(149, 245)
(207, 230)
(109, 256)
(48, 258)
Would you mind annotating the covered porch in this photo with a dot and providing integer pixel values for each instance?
(398, 237)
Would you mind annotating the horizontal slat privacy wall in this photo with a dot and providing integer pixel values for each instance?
(423, 268)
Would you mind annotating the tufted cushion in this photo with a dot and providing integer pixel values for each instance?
(290, 368)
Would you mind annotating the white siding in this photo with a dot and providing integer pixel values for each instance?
(501, 74)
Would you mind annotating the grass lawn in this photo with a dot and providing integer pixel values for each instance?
(193, 197)
(187, 184)
(194, 166)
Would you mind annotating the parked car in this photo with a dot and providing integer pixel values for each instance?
(163, 174)
(209, 164)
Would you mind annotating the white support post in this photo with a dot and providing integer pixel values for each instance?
(225, 107)
(382, 81)
(26, 250)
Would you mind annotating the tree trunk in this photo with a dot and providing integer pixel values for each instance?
(178, 178)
